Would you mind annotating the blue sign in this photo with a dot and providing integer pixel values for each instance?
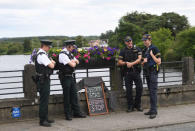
(16, 112)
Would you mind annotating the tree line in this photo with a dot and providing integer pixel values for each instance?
(25, 45)
(171, 33)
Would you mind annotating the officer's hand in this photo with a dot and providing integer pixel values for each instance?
(53, 61)
(144, 61)
(129, 64)
(151, 53)
(73, 61)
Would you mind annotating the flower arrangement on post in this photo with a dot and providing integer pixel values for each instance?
(90, 55)
(53, 53)
(82, 54)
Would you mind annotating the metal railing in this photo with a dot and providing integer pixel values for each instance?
(11, 84)
(56, 87)
(170, 74)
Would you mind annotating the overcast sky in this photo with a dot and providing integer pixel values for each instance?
(20, 18)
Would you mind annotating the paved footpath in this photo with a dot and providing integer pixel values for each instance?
(168, 118)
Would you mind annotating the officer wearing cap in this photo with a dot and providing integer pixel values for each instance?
(67, 64)
(151, 62)
(130, 58)
(44, 66)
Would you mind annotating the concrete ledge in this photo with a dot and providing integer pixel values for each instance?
(169, 95)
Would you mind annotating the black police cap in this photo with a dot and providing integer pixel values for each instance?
(46, 42)
(146, 37)
(128, 38)
(69, 42)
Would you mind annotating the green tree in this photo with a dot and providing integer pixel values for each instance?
(27, 45)
(174, 22)
(106, 35)
(13, 49)
(185, 43)
(128, 29)
(163, 40)
(3, 49)
(80, 41)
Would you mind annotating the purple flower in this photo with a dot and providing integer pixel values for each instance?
(34, 52)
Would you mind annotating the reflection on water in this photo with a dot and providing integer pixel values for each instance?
(17, 62)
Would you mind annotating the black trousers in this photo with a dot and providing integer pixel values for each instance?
(152, 83)
(131, 77)
(70, 95)
(44, 91)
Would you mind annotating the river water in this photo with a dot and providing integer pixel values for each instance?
(17, 62)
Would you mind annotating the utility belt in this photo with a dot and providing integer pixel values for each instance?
(61, 74)
(40, 78)
(43, 75)
(130, 69)
(154, 68)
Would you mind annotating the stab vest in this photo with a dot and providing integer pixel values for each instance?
(42, 69)
(66, 69)
(131, 55)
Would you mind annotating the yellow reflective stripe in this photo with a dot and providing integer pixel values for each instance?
(158, 54)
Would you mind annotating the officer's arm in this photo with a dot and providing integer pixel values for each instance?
(138, 60)
(52, 64)
(120, 59)
(154, 57)
(76, 61)
(46, 61)
(121, 62)
(72, 63)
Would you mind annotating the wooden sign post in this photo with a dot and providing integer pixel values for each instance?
(96, 100)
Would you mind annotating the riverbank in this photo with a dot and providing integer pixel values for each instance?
(168, 117)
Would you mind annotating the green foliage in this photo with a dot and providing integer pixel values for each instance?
(81, 41)
(14, 49)
(174, 22)
(163, 29)
(185, 43)
(113, 41)
(106, 35)
(27, 45)
(163, 40)
(126, 28)
(147, 22)
(3, 50)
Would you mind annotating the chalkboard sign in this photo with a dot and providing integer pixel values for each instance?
(96, 100)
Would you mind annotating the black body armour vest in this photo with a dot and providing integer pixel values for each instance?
(66, 69)
(131, 55)
(41, 69)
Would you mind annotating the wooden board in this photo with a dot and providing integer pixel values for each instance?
(96, 100)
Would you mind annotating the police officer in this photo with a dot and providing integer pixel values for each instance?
(130, 58)
(151, 62)
(44, 66)
(67, 64)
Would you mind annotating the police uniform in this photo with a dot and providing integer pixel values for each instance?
(132, 75)
(68, 83)
(43, 73)
(151, 70)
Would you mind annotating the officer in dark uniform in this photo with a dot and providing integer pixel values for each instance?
(44, 66)
(151, 62)
(67, 64)
(130, 58)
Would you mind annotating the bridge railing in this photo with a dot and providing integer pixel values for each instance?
(18, 83)
(11, 84)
